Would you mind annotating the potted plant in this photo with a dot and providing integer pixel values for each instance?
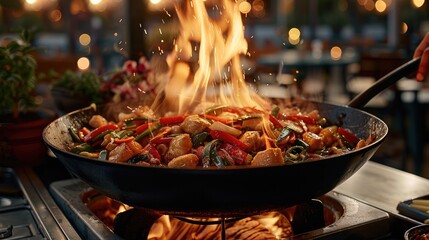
(75, 90)
(21, 121)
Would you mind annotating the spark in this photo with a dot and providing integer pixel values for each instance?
(166, 12)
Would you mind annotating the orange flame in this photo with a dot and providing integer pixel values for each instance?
(214, 76)
(270, 225)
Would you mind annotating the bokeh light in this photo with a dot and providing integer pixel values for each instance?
(84, 39)
(83, 63)
(336, 53)
(418, 3)
(380, 6)
(55, 15)
(245, 7)
(294, 36)
(404, 27)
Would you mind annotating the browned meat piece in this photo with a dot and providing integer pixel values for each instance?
(194, 124)
(180, 145)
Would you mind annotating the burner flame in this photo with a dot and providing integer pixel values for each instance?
(271, 225)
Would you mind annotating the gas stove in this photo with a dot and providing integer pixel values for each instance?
(31, 209)
(351, 218)
(27, 210)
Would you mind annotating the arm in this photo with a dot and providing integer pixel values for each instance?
(423, 51)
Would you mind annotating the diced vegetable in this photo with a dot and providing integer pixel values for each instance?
(94, 133)
(214, 109)
(283, 136)
(172, 120)
(151, 149)
(295, 154)
(235, 152)
(199, 139)
(228, 138)
(210, 152)
(74, 134)
(350, 137)
(138, 158)
(123, 140)
(83, 147)
(217, 119)
(275, 121)
(303, 118)
(144, 127)
(275, 111)
(135, 121)
(300, 142)
(145, 133)
(225, 128)
(102, 155)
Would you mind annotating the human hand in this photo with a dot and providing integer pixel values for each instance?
(422, 51)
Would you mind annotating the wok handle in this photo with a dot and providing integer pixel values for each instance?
(364, 97)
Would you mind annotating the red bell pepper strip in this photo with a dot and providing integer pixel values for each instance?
(151, 150)
(82, 132)
(123, 140)
(228, 138)
(144, 127)
(172, 120)
(94, 133)
(149, 130)
(348, 136)
(275, 121)
(235, 152)
(303, 118)
(96, 143)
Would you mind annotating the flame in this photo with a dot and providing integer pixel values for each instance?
(204, 67)
(270, 225)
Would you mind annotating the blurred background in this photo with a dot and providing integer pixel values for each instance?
(332, 49)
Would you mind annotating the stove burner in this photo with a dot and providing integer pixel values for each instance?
(343, 217)
(136, 223)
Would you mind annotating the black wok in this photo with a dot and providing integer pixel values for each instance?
(229, 191)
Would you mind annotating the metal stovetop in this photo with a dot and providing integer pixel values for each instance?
(32, 209)
(358, 221)
(27, 211)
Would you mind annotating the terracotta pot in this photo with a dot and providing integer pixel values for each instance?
(22, 139)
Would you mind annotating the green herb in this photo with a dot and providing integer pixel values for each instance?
(17, 76)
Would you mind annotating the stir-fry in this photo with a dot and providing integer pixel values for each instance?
(221, 136)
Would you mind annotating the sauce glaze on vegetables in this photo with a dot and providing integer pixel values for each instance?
(221, 136)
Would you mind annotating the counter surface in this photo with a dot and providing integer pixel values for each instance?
(383, 187)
